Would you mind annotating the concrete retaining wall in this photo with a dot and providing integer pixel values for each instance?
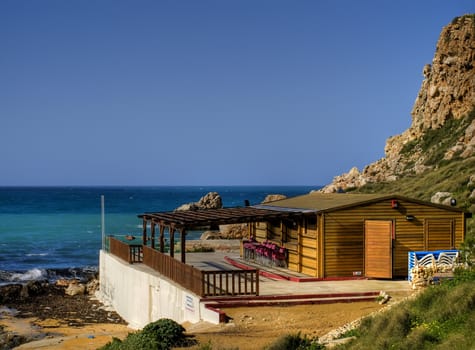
(140, 295)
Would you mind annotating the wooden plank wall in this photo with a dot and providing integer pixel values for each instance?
(340, 236)
(260, 231)
(302, 249)
(344, 234)
(344, 243)
(266, 231)
(292, 246)
(436, 237)
(308, 244)
(301, 245)
(413, 235)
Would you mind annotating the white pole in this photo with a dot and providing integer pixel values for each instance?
(103, 228)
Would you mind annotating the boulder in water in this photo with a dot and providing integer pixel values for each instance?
(212, 200)
(273, 197)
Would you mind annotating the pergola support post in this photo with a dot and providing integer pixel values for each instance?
(172, 241)
(144, 231)
(152, 233)
(161, 227)
(183, 245)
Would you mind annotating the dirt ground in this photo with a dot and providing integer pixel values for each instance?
(256, 327)
(248, 328)
(54, 321)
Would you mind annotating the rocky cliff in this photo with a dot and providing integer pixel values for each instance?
(443, 115)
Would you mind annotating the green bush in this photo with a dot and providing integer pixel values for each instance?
(294, 342)
(115, 344)
(467, 253)
(159, 335)
(143, 341)
(209, 346)
(166, 331)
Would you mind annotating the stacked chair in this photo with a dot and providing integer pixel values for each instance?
(266, 253)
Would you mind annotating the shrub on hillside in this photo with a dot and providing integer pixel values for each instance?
(294, 342)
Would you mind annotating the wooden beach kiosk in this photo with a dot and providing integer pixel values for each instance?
(366, 235)
(325, 235)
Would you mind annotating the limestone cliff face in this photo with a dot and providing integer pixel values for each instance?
(447, 95)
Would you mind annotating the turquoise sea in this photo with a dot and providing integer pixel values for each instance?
(53, 232)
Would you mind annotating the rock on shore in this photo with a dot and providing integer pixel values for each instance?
(58, 301)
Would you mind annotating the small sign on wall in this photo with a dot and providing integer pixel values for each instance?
(189, 303)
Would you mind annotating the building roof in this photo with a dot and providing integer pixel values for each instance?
(290, 208)
(334, 201)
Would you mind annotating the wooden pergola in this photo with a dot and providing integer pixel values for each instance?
(182, 221)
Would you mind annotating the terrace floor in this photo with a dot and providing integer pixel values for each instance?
(275, 281)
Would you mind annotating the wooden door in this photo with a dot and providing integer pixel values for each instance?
(378, 252)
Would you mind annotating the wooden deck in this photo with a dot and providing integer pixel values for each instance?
(205, 282)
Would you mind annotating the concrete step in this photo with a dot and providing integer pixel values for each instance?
(216, 304)
(269, 300)
(286, 302)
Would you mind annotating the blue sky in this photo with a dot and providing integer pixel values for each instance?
(223, 92)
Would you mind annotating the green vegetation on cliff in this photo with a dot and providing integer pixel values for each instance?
(453, 176)
(443, 175)
(440, 317)
(435, 142)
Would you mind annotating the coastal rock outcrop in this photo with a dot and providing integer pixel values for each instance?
(11, 292)
(211, 200)
(239, 231)
(19, 291)
(446, 96)
(273, 197)
(75, 288)
(24, 291)
(231, 231)
(441, 198)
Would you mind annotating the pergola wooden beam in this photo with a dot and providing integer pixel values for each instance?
(185, 220)
(196, 218)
